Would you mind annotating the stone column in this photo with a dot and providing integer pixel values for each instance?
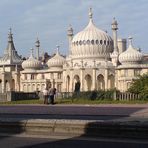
(3, 83)
(64, 81)
(71, 81)
(94, 79)
(116, 79)
(16, 81)
(106, 78)
(81, 79)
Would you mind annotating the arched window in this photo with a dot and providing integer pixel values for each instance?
(88, 82)
(32, 76)
(88, 42)
(101, 42)
(92, 42)
(25, 76)
(33, 88)
(104, 42)
(80, 42)
(76, 83)
(68, 83)
(43, 76)
(111, 81)
(24, 88)
(107, 42)
(100, 82)
(111, 42)
(59, 75)
(84, 42)
(97, 42)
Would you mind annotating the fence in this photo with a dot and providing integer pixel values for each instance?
(14, 96)
(126, 96)
(3, 97)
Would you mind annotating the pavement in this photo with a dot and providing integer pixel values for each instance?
(108, 120)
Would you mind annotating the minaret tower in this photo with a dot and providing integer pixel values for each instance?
(10, 42)
(115, 53)
(37, 44)
(70, 37)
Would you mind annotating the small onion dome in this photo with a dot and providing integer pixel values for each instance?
(31, 63)
(56, 61)
(131, 55)
(114, 24)
(70, 31)
(91, 42)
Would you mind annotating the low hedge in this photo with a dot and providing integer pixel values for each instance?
(94, 95)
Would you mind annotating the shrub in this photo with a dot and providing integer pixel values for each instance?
(140, 86)
(94, 95)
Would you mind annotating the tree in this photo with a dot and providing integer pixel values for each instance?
(140, 86)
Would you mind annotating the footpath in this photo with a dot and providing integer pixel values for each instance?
(120, 121)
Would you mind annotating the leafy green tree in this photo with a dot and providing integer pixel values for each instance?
(140, 86)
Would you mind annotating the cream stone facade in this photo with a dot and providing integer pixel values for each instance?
(95, 61)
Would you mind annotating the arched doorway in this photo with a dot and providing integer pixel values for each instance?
(68, 83)
(29, 88)
(7, 85)
(38, 87)
(77, 83)
(111, 81)
(100, 82)
(42, 87)
(33, 88)
(88, 83)
(24, 88)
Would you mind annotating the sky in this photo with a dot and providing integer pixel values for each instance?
(49, 20)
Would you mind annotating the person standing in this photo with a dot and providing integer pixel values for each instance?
(45, 95)
(52, 92)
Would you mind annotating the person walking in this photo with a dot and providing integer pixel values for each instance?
(45, 95)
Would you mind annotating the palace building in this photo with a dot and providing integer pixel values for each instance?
(95, 61)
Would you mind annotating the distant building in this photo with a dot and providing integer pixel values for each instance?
(95, 61)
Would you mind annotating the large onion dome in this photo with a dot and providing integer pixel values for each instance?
(56, 61)
(131, 55)
(31, 63)
(91, 42)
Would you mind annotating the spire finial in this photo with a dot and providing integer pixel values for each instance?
(37, 43)
(58, 49)
(90, 13)
(130, 40)
(31, 52)
(10, 30)
(10, 35)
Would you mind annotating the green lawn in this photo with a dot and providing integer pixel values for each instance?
(76, 101)
(85, 101)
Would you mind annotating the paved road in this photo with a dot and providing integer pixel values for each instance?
(123, 110)
(79, 142)
(69, 117)
(84, 112)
